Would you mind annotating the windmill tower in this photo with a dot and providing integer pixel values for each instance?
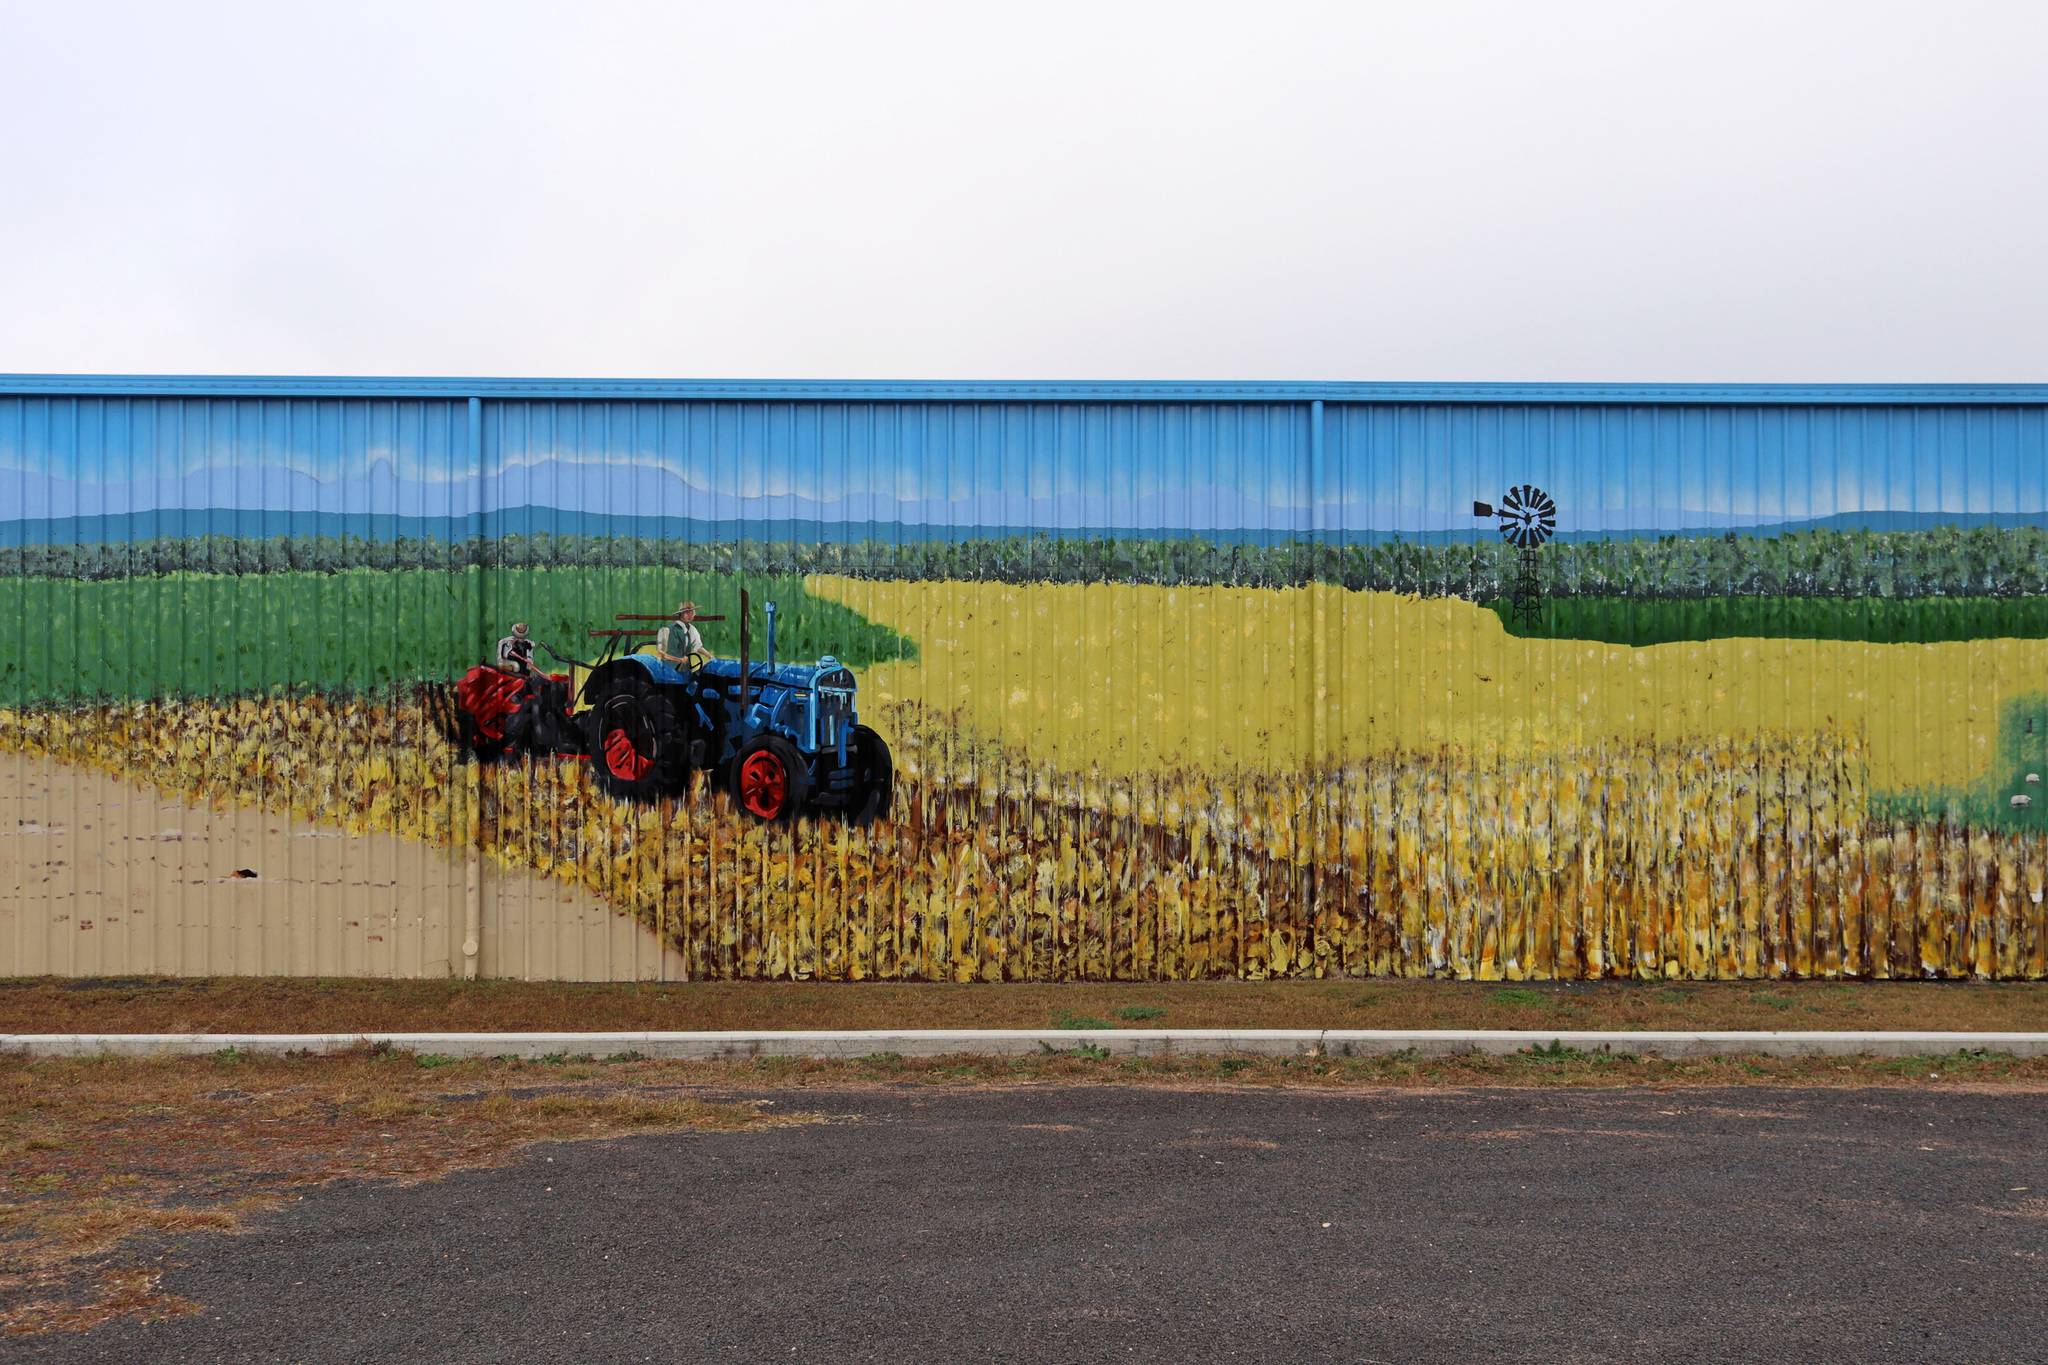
(1528, 517)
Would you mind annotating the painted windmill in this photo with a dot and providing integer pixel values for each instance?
(1528, 517)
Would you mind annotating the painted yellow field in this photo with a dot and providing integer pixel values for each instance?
(1137, 678)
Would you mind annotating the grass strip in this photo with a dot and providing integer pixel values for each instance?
(301, 1005)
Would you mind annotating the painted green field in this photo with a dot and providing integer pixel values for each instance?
(2012, 794)
(1881, 620)
(215, 635)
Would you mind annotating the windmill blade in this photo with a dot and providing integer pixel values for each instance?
(1528, 516)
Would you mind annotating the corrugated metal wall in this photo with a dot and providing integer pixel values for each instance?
(1177, 680)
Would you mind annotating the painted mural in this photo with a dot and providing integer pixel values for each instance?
(1049, 690)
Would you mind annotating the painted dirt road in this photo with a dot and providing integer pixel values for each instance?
(100, 877)
(1043, 1223)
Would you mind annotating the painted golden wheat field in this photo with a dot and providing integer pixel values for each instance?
(1634, 856)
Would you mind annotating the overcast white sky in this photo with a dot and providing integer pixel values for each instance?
(1476, 191)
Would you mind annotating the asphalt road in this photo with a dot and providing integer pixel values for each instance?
(1135, 1224)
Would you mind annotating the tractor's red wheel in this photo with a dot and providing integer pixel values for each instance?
(764, 785)
(622, 757)
(769, 779)
(635, 741)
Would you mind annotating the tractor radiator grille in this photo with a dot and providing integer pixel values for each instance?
(835, 710)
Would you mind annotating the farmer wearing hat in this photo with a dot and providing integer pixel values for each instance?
(678, 641)
(515, 652)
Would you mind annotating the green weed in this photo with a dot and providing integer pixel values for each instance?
(1516, 995)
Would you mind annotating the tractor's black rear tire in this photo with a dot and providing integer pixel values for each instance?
(479, 747)
(637, 741)
(874, 785)
(769, 779)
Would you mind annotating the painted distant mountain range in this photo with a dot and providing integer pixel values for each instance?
(119, 528)
(584, 497)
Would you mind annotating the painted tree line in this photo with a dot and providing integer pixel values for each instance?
(1939, 562)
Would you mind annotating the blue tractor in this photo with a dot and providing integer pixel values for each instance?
(783, 738)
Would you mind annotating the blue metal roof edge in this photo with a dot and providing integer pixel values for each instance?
(1080, 391)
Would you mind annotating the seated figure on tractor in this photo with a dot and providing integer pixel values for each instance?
(515, 652)
(507, 705)
(679, 642)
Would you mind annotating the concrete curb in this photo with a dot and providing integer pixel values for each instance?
(1026, 1042)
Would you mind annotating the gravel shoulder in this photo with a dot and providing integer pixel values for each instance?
(1122, 1222)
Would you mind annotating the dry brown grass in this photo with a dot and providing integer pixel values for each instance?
(1538, 1068)
(283, 1005)
(98, 1154)
(119, 1292)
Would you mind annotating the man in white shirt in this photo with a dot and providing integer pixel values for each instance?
(678, 641)
(515, 652)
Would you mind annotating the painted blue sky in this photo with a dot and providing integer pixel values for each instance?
(1384, 468)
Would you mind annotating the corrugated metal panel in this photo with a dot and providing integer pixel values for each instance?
(1025, 391)
(1179, 680)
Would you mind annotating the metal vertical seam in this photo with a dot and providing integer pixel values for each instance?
(1313, 926)
(1318, 638)
(473, 862)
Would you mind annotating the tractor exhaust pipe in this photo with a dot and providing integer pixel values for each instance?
(745, 670)
(770, 609)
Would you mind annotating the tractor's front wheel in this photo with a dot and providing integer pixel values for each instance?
(636, 743)
(874, 784)
(769, 780)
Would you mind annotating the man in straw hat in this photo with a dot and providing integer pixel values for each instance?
(678, 641)
(515, 651)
